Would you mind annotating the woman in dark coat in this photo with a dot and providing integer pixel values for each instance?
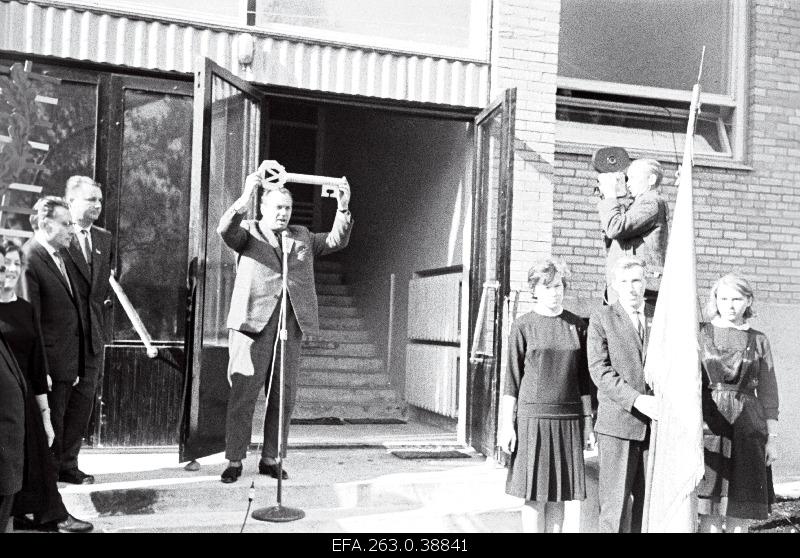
(547, 404)
(39, 495)
(740, 412)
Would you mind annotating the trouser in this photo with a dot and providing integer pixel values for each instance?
(623, 464)
(6, 503)
(95, 364)
(245, 389)
(70, 409)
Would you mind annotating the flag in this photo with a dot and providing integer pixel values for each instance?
(672, 368)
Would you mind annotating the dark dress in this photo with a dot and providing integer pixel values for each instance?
(740, 393)
(548, 374)
(39, 494)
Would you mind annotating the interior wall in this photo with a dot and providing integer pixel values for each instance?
(410, 194)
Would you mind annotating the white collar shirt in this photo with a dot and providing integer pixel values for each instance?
(636, 315)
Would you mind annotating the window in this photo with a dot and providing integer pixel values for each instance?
(626, 69)
(62, 138)
(218, 12)
(457, 28)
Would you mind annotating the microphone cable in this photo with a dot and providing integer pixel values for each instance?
(251, 494)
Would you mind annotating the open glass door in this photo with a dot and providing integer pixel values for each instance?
(489, 272)
(147, 188)
(225, 148)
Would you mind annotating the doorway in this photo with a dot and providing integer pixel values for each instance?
(411, 170)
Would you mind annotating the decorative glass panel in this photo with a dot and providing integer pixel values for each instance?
(154, 212)
(63, 136)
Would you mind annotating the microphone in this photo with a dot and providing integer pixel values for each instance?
(286, 242)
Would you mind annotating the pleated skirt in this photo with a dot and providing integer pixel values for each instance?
(547, 465)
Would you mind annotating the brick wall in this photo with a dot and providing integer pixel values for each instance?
(746, 220)
(525, 56)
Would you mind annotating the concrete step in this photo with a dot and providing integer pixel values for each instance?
(339, 490)
(332, 289)
(340, 323)
(343, 379)
(357, 489)
(324, 520)
(340, 363)
(307, 409)
(328, 278)
(341, 349)
(338, 312)
(344, 336)
(334, 300)
(347, 394)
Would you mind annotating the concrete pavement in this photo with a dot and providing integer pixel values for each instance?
(345, 478)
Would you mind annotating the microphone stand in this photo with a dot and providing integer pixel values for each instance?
(279, 513)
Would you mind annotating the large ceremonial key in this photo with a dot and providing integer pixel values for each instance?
(275, 175)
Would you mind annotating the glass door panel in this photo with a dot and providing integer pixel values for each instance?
(146, 208)
(489, 275)
(153, 212)
(235, 129)
(226, 147)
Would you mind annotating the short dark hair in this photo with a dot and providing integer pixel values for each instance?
(544, 270)
(11, 246)
(45, 208)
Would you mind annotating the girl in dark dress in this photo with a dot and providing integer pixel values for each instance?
(740, 411)
(546, 403)
(39, 495)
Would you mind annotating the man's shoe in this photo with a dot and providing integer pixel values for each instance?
(75, 476)
(271, 470)
(68, 525)
(231, 474)
(73, 525)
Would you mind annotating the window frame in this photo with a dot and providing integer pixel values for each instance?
(735, 99)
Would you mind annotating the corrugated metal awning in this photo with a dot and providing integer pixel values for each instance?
(51, 29)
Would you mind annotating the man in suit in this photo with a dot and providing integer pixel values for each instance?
(90, 252)
(51, 285)
(12, 431)
(616, 349)
(255, 310)
(638, 228)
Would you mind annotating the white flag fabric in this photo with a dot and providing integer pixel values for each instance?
(672, 368)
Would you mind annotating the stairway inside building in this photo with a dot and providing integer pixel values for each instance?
(342, 371)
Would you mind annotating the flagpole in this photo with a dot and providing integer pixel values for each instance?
(686, 164)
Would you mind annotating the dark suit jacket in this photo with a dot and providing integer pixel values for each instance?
(640, 230)
(257, 288)
(94, 287)
(12, 422)
(616, 364)
(58, 312)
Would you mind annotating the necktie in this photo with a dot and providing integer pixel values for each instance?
(63, 270)
(640, 326)
(87, 249)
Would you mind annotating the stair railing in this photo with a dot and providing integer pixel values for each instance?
(391, 309)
